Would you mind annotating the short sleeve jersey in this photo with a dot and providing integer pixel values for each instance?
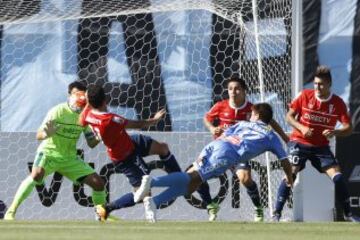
(64, 141)
(251, 139)
(317, 114)
(111, 129)
(227, 115)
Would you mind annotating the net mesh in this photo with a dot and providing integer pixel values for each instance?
(148, 55)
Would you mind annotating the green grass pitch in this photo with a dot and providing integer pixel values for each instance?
(171, 230)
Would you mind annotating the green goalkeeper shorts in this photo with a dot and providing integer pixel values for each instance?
(73, 168)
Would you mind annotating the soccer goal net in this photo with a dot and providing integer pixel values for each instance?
(148, 54)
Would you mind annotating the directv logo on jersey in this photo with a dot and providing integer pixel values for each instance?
(316, 118)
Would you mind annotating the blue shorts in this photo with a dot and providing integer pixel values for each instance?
(215, 159)
(320, 157)
(142, 144)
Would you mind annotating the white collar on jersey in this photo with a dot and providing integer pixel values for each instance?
(238, 108)
(324, 100)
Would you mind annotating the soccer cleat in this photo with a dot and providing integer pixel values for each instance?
(276, 217)
(150, 209)
(144, 189)
(9, 215)
(101, 213)
(352, 218)
(213, 208)
(259, 214)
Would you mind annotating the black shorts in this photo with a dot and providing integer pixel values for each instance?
(134, 168)
(320, 157)
(142, 144)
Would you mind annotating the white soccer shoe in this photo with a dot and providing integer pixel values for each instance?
(144, 189)
(150, 209)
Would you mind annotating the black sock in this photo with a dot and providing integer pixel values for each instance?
(342, 193)
(204, 192)
(253, 193)
(170, 163)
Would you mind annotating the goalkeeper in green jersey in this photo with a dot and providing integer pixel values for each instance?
(59, 134)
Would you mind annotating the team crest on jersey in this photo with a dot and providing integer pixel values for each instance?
(331, 108)
(310, 106)
(117, 119)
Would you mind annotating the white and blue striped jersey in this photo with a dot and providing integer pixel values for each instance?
(239, 144)
(251, 139)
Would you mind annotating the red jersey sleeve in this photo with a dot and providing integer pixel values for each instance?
(213, 113)
(296, 103)
(344, 117)
(122, 122)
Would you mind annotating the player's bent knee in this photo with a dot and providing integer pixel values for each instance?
(246, 180)
(244, 177)
(37, 174)
(164, 149)
(95, 182)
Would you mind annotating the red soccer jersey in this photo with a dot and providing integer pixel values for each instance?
(111, 129)
(319, 115)
(228, 115)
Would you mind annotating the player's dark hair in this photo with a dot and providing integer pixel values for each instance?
(238, 80)
(78, 85)
(96, 96)
(323, 72)
(264, 110)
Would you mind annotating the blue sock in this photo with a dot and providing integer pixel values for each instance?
(253, 193)
(282, 195)
(178, 185)
(124, 201)
(342, 193)
(204, 193)
(170, 163)
(168, 180)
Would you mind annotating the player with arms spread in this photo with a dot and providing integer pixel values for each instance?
(221, 116)
(125, 152)
(238, 144)
(59, 133)
(314, 114)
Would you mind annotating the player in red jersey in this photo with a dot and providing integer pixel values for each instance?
(126, 152)
(314, 114)
(222, 115)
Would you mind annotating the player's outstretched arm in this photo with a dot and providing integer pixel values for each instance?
(286, 166)
(137, 124)
(47, 131)
(275, 125)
